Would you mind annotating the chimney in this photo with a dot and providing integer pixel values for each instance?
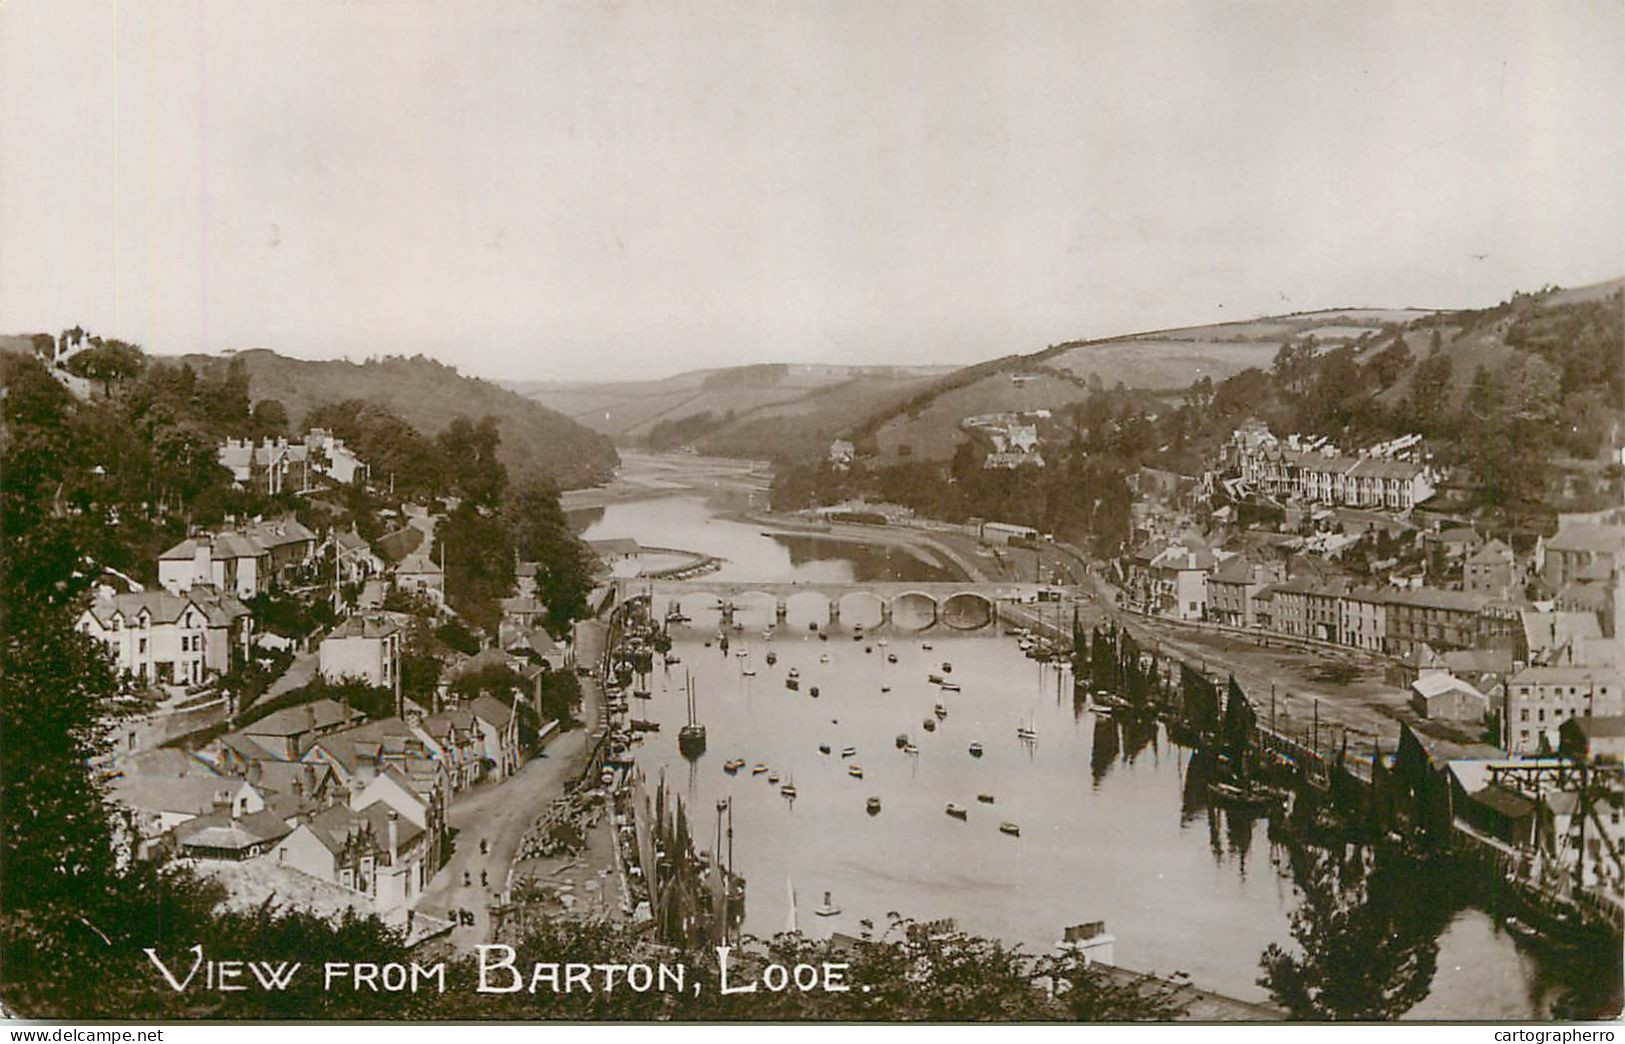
(394, 837)
(255, 771)
(310, 717)
(310, 780)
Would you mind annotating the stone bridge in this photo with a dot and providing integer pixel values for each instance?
(959, 605)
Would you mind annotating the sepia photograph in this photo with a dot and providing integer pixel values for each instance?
(811, 511)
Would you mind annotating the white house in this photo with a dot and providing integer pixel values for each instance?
(364, 647)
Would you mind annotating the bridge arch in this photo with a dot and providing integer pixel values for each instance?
(859, 609)
(804, 607)
(913, 611)
(754, 609)
(967, 611)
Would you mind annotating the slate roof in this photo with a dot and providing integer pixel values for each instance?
(1507, 802)
(1590, 538)
(491, 710)
(1429, 686)
(193, 795)
(393, 547)
(1599, 727)
(418, 563)
(364, 627)
(1438, 598)
(220, 830)
(221, 545)
(335, 826)
(315, 716)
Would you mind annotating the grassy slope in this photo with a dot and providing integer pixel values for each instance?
(805, 407)
(430, 395)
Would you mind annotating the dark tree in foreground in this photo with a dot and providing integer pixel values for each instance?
(1367, 934)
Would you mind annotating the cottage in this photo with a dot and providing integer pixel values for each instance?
(373, 851)
(230, 837)
(156, 805)
(286, 735)
(498, 726)
(232, 562)
(363, 647)
(1179, 581)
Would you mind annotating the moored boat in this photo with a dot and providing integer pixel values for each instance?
(788, 790)
(975, 750)
(986, 799)
(813, 692)
(1010, 828)
(758, 768)
(902, 740)
(1233, 796)
(772, 658)
(891, 657)
(934, 678)
(947, 668)
(823, 748)
(772, 777)
(949, 686)
(957, 811)
(873, 806)
(733, 765)
(847, 752)
(940, 711)
(829, 909)
(910, 749)
(855, 771)
(929, 724)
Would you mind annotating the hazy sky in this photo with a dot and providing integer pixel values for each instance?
(600, 190)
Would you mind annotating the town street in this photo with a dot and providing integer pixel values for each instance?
(500, 814)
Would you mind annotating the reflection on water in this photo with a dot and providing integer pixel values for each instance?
(1115, 820)
(690, 524)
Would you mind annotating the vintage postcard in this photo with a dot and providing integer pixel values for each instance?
(844, 511)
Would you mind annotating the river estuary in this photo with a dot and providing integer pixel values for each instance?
(1106, 829)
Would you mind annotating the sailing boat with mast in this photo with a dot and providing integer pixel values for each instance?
(691, 737)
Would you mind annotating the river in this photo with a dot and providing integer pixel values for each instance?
(1106, 832)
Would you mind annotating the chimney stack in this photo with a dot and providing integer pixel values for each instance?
(394, 837)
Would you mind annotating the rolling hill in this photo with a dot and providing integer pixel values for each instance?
(771, 410)
(428, 395)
